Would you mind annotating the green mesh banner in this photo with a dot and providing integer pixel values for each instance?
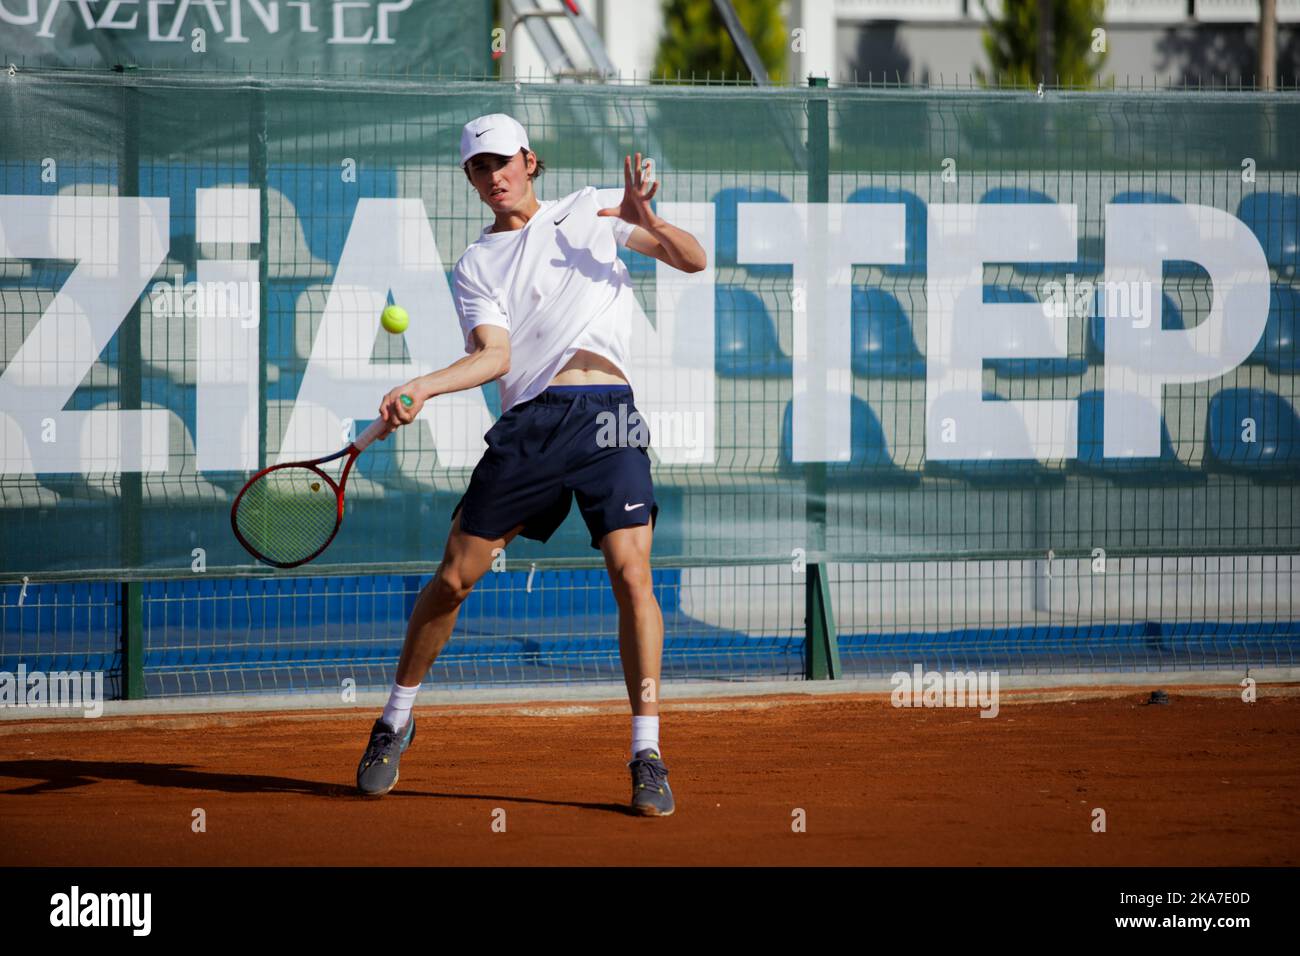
(264, 36)
(1038, 334)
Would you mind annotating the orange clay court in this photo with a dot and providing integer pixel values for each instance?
(1207, 780)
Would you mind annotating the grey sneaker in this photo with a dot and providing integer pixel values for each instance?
(377, 772)
(651, 796)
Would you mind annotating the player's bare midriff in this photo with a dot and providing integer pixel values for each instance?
(588, 368)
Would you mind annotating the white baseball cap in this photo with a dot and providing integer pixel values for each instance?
(494, 133)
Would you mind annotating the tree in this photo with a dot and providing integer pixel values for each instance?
(696, 41)
(1071, 48)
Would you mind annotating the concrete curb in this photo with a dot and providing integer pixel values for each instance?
(608, 698)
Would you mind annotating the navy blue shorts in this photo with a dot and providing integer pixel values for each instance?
(587, 440)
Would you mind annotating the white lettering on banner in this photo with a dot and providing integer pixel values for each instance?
(823, 242)
(108, 20)
(1142, 359)
(340, 32)
(18, 19)
(83, 8)
(387, 10)
(304, 14)
(270, 19)
(348, 17)
(962, 237)
(225, 434)
(117, 244)
(214, 15)
(390, 247)
(674, 357)
(175, 35)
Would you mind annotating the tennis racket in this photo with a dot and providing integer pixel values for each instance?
(286, 515)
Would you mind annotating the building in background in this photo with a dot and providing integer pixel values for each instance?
(1160, 41)
(631, 34)
(931, 41)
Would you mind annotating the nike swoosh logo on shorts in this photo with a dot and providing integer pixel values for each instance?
(633, 507)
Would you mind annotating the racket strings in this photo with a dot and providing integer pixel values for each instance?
(288, 514)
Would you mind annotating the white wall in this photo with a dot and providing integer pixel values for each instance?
(818, 57)
(630, 30)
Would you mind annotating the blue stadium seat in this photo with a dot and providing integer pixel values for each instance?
(1133, 197)
(883, 344)
(1277, 346)
(326, 207)
(1171, 317)
(323, 206)
(746, 343)
(1166, 469)
(725, 202)
(1003, 335)
(1010, 644)
(1274, 218)
(869, 461)
(996, 472)
(1012, 195)
(1235, 639)
(1275, 451)
(915, 229)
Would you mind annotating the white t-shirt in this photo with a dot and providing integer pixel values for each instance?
(557, 285)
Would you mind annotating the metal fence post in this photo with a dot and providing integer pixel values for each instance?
(130, 395)
(258, 173)
(821, 656)
(131, 614)
(822, 652)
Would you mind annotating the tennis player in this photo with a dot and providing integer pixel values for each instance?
(546, 307)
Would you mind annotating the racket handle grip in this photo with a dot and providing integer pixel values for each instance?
(377, 428)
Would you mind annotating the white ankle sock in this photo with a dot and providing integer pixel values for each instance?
(399, 706)
(645, 733)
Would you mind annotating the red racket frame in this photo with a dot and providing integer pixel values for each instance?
(377, 428)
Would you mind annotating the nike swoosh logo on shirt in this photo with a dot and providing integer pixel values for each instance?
(562, 218)
(633, 507)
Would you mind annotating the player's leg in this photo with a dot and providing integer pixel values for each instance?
(640, 621)
(640, 645)
(615, 494)
(508, 490)
(616, 497)
(466, 558)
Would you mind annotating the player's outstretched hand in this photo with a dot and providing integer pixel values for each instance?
(400, 406)
(638, 190)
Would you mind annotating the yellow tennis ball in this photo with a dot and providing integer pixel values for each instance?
(395, 319)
